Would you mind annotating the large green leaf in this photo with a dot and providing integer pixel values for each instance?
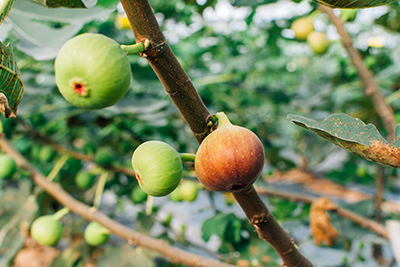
(60, 3)
(354, 4)
(10, 81)
(355, 136)
(5, 7)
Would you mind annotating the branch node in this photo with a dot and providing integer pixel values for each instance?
(258, 220)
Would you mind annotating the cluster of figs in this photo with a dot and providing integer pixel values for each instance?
(92, 71)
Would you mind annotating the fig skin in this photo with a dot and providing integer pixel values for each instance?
(96, 234)
(230, 158)
(318, 42)
(47, 230)
(92, 71)
(158, 168)
(302, 27)
(8, 166)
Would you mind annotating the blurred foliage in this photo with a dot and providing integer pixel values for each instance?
(243, 59)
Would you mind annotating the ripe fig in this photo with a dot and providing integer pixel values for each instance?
(92, 71)
(158, 168)
(84, 180)
(302, 27)
(96, 234)
(230, 158)
(7, 166)
(318, 42)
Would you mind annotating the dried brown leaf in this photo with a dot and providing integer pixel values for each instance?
(322, 229)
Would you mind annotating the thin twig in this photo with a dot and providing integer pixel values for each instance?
(134, 238)
(362, 221)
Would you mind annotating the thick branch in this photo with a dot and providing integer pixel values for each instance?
(164, 63)
(366, 77)
(134, 238)
(181, 90)
(269, 229)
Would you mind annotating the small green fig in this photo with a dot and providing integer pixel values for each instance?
(92, 71)
(96, 234)
(46, 154)
(318, 42)
(137, 195)
(348, 14)
(302, 27)
(7, 166)
(230, 158)
(175, 195)
(47, 230)
(158, 168)
(84, 180)
(188, 190)
(104, 156)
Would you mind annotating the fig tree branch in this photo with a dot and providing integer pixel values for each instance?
(360, 220)
(182, 92)
(134, 238)
(370, 86)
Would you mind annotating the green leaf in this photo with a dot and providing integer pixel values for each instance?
(354, 4)
(10, 81)
(355, 136)
(5, 7)
(216, 225)
(60, 3)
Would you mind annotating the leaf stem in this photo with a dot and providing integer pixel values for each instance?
(187, 157)
(100, 189)
(56, 169)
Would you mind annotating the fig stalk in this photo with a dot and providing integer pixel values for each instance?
(60, 214)
(100, 189)
(136, 48)
(187, 157)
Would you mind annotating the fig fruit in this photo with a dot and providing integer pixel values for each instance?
(96, 234)
(348, 14)
(188, 190)
(318, 42)
(158, 168)
(47, 230)
(92, 71)
(7, 166)
(302, 27)
(230, 158)
(46, 154)
(138, 196)
(84, 180)
(175, 195)
(104, 156)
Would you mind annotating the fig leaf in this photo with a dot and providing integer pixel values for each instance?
(5, 10)
(61, 3)
(355, 136)
(12, 88)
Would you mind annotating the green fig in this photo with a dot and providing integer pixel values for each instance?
(84, 180)
(302, 27)
(7, 166)
(158, 168)
(47, 230)
(46, 154)
(188, 190)
(137, 195)
(104, 156)
(318, 42)
(92, 71)
(96, 234)
(230, 158)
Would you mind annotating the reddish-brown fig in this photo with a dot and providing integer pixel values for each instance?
(230, 159)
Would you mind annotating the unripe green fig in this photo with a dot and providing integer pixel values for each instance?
(175, 195)
(138, 196)
(46, 154)
(84, 180)
(47, 230)
(92, 71)
(318, 42)
(230, 158)
(158, 168)
(302, 27)
(7, 166)
(348, 14)
(96, 234)
(188, 190)
(104, 156)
